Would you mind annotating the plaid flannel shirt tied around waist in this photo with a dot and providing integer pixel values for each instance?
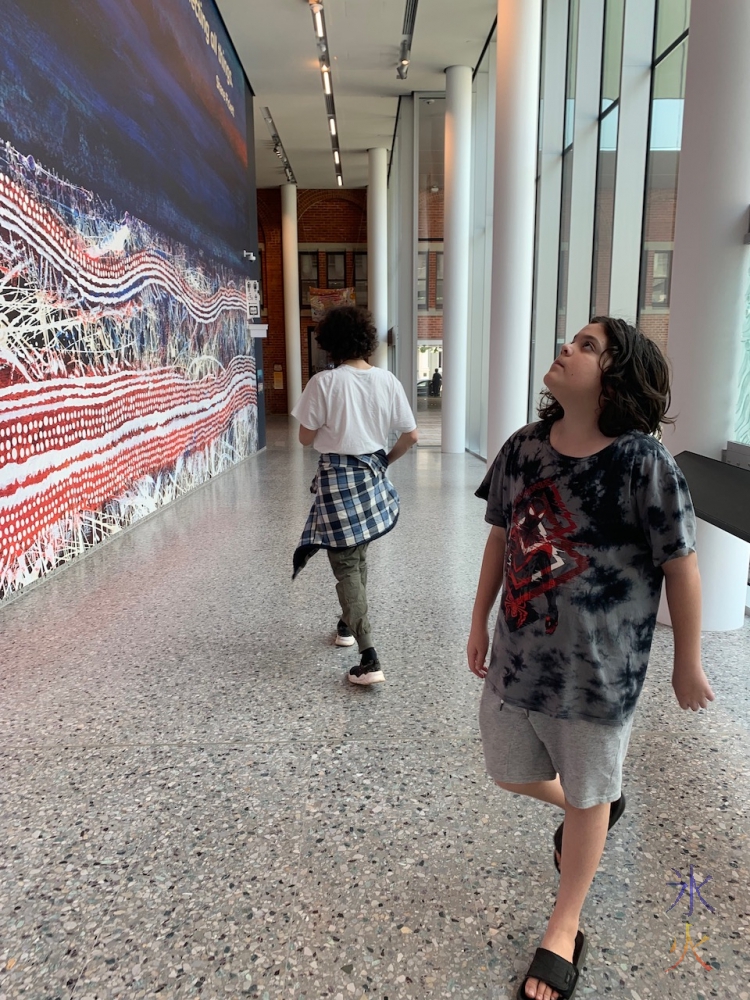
(355, 502)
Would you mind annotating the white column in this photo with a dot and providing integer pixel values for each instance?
(290, 254)
(480, 261)
(456, 227)
(709, 271)
(519, 25)
(377, 249)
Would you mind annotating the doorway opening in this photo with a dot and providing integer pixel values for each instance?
(429, 392)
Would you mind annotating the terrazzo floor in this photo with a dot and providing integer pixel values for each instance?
(429, 419)
(195, 803)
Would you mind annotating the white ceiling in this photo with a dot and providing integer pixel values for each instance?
(276, 43)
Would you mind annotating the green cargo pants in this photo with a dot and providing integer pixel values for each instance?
(350, 569)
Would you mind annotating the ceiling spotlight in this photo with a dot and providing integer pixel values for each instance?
(340, 180)
(407, 34)
(403, 60)
(332, 123)
(317, 9)
(327, 80)
(336, 157)
(278, 146)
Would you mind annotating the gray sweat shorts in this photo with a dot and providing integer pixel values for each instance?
(522, 746)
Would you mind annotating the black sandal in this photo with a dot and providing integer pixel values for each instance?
(556, 971)
(616, 810)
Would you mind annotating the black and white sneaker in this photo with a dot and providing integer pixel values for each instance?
(368, 671)
(344, 635)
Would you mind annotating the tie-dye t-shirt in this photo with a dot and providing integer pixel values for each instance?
(586, 539)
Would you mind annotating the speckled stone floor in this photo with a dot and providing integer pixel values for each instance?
(194, 803)
(429, 419)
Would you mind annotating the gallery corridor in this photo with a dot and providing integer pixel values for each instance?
(195, 803)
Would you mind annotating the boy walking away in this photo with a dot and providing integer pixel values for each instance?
(348, 414)
(589, 512)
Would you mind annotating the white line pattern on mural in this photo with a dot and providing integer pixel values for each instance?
(127, 371)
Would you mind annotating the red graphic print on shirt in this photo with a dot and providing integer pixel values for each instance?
(540, 556)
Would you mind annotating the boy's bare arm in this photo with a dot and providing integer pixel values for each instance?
(683, 585)
(306, 435)
(404, 443)
(490, 582)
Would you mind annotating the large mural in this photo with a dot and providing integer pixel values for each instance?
(129, 370)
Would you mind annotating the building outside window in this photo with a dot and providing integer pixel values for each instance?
(423, 268)
(439, 280)
(657, 268)
(308, 277)
(360, 278)
(662, 278)
(665, 140)
(336, 270)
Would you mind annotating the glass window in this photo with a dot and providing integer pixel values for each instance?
(570, 84)
(661, 271)
(661, 190)
(439, 280)
(672, 19)
(604, 213)
(614, 17)
(308, 277)
(336, 270)
(360, 278)
(562, 279)
(657, 272)
(260, 278)
(423, 262)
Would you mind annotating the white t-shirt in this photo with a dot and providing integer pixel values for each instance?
(354, 410)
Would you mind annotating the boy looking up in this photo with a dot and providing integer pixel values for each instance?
(347, 414)
(589, 513)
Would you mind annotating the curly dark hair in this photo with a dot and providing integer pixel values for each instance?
(347, 333)
(635, 383)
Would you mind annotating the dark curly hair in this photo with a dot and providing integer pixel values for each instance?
(635, 383)
(347, 333)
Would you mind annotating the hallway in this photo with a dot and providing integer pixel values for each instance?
(195, 803)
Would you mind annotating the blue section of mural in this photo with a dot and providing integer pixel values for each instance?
(129, 99)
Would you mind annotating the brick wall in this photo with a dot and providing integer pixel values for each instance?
(431, 215)
(656, 326)
(332, 216)
(660, 216)
(430, 228)
(430, 327)
(274, 349)
(323, 217)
